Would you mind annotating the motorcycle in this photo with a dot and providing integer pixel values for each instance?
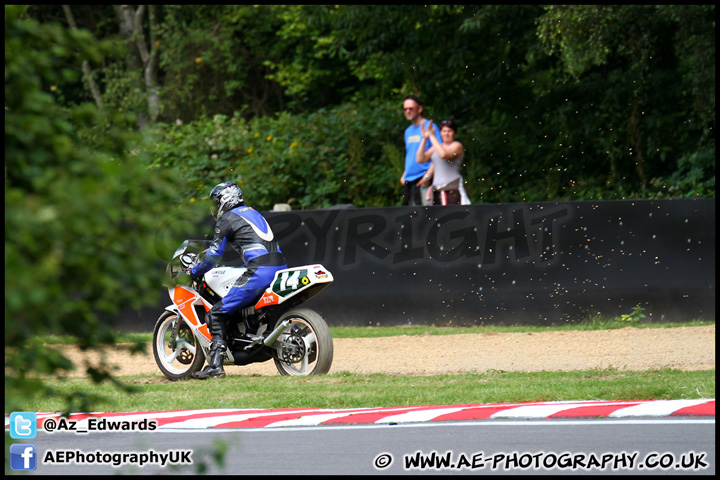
(275, 327)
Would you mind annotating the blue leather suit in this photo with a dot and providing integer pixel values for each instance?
(247, 231)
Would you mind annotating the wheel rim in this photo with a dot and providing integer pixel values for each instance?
(299, 353)
(176, 360)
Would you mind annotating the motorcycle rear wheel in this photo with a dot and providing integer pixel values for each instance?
(310, 345)
(182, 360)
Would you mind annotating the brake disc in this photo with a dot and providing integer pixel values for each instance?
(293, 348)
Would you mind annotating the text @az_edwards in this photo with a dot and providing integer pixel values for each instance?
(52, 425)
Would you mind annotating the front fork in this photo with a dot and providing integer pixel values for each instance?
(203, 343)
(172, 343)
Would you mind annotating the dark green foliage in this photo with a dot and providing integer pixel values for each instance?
(347, 154)
(556, 103)
(82, 210)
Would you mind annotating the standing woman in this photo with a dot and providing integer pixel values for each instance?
(446, 157)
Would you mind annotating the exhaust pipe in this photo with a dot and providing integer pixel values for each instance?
(241, 357)
(270, 339)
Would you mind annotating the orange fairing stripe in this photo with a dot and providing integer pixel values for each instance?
(182, 295)
(268, 299)
(184, 298)
(204, 330)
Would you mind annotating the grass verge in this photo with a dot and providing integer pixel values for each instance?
(346, 390)
(592, 323)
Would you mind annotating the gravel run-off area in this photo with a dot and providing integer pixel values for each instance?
(682, 348)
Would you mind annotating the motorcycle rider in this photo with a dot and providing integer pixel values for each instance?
(247, 231)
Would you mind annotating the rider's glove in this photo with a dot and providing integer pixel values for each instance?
(190, 272)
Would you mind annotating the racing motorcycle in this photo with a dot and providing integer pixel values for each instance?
(275, 327)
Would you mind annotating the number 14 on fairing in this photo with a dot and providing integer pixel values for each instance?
(292, 280)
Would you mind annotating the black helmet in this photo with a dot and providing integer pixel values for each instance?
(225, 197)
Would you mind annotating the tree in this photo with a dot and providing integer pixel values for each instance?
(82, 209)
(638, 50)
(142, 51)
(87, 71)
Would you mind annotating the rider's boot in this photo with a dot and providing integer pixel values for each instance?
(214, 368)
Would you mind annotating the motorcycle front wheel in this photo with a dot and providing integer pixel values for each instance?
(178, 355)
(306, 346)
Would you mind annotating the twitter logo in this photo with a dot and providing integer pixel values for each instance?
(23, 425)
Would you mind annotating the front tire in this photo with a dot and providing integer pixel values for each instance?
(177, 356)
(306, 347)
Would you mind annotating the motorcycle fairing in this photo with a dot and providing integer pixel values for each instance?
(221, 279)
(291, 282)
(185, 300)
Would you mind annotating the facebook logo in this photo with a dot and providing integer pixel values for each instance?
(23, 425)
(23, 456)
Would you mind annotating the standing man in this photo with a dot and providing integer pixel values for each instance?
(417, 177)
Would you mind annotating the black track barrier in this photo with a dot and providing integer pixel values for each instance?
(513, 264)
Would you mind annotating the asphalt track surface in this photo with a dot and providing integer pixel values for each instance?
(647, 437)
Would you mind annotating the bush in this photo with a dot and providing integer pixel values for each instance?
(345, 155)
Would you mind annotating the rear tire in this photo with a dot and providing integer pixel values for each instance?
(307, 345)
(179, 357)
